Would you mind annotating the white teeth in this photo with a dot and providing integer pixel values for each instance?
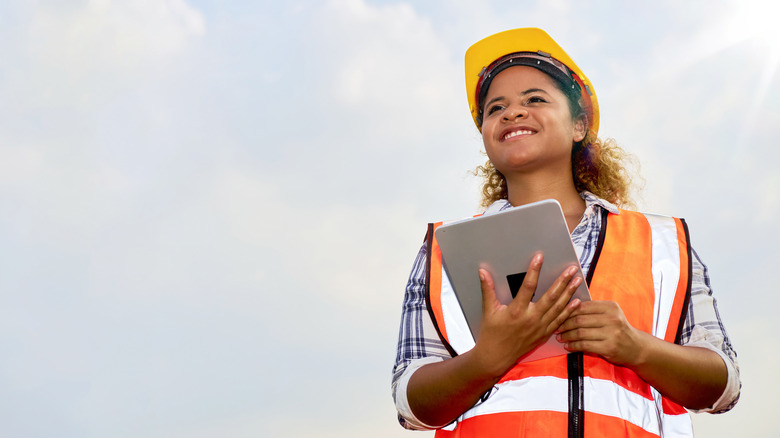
(516, 133)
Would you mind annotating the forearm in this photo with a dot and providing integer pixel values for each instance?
(694, 377)
(440, 392)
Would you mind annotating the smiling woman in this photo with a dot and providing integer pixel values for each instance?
(642, 352)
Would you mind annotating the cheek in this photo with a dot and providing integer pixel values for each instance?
(487, 135)
(488, 143)
(486, 146)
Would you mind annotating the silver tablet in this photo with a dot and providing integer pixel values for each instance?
(504, 243)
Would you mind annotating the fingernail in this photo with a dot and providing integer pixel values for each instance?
(558, 337)
(571, 270)
(481, 275)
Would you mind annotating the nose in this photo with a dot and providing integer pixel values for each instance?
(514, 112)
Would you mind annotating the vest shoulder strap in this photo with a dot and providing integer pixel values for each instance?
(433, 285)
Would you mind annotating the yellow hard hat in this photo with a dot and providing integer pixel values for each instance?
(528, 46)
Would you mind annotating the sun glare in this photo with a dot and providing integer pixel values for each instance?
(755, 24)
(757, 20)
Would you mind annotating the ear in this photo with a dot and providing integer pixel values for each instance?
(580, 128)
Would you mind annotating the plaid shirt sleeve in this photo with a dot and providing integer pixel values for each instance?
(417, 338)
(704, 328)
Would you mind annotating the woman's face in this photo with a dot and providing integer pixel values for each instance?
(527, 124)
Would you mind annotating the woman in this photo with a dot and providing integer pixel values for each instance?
(642, 351)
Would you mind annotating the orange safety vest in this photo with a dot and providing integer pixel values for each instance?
(642, 262)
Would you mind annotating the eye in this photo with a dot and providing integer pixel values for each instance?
(493, 108)
(536, 99)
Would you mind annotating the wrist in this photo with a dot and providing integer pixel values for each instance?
(486, 366)
(643, 351)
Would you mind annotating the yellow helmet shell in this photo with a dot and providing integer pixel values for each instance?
(480, 55)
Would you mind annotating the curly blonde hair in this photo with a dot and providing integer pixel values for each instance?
(598, 166)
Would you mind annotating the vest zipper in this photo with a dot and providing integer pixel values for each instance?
(576, 412)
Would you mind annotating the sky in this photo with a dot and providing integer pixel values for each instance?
(209, 209)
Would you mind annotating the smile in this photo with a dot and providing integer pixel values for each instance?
(512, 134)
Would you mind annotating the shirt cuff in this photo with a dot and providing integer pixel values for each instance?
(700, 338)
(402, 401)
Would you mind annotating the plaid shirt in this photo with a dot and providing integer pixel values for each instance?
(703, 327)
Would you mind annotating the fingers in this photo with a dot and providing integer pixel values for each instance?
(489, 300)
(589, 314)
(590, 340)
(580, 320)
(528, 288)
(557, 298)
(581, 334)
(600, 328)
(561, 291)
(561, 312)
(585, 346)
(595, 341)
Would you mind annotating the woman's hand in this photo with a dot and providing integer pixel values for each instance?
(692, 376)
(600, 327)
(508, 332)
(439, 392)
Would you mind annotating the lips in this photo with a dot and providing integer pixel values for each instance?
(516, 132)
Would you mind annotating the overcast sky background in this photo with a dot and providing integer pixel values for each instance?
(209, 209)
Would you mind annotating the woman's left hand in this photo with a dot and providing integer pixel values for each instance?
(692, 376)
(600, 327)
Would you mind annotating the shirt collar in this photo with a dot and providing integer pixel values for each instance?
(591, 201)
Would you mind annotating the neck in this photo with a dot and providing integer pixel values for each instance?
(525, 190)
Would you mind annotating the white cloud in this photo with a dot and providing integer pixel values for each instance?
(335, 253)
(83, 54)
(397, 72)
(109, 34)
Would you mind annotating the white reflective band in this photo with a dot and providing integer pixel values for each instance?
(677, 426)
(458, 333)
(673, 426)
(543, 393)
(546, 393)
(666, 269)
(606, 397)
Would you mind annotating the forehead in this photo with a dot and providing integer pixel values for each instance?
(519, 79)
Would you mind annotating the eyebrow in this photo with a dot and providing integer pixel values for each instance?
(524, 93)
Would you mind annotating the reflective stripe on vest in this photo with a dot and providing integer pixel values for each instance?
(532, 398)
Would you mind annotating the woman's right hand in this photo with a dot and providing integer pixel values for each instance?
(507, 332)
(439, 392)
